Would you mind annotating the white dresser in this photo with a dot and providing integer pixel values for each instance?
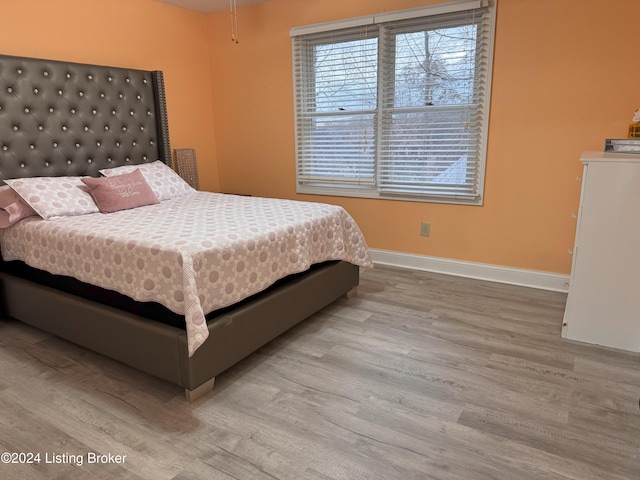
(603, 306)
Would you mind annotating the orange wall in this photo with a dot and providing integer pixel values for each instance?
(565, 78)
(140, 34)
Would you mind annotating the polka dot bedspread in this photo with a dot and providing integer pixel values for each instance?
(193, 254)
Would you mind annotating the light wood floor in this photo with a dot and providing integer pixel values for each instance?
(422, 376)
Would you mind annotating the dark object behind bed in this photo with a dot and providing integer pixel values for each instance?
(59, 118)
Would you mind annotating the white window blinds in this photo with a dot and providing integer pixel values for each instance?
(395, 105)
(336, 106)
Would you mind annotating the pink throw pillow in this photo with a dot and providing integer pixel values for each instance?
(162, 179)
(121, 192)
(12, 207)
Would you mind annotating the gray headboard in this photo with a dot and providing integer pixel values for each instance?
(61, 118)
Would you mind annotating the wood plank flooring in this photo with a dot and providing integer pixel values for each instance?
(421, 376)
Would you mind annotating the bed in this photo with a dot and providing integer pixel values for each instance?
(60, 119)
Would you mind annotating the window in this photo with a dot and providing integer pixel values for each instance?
(396, 105)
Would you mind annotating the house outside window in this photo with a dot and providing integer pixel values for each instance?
(395, 105)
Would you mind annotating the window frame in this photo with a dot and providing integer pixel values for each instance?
(372, 189)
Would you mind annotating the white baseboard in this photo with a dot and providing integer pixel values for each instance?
(492, 273)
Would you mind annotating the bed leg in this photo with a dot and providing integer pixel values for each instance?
(199, 391)
(352, 293)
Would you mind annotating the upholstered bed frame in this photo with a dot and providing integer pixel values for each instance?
(60, 118)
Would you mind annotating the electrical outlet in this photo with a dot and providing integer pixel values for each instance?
(425, 229)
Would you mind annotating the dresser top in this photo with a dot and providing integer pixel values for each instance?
(596, 156)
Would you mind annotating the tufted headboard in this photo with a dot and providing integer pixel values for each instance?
(60, 118)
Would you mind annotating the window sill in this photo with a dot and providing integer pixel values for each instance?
(374, 194)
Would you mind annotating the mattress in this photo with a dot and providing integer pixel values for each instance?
(193, 254)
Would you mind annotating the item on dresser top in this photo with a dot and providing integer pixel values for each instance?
(622, 145)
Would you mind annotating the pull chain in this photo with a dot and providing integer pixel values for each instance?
(234, 21)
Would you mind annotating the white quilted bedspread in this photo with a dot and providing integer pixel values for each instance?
(193, 254)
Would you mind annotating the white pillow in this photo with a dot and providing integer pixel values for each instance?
(164, 182)
(55, 196)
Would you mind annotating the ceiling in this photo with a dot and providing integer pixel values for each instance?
(208, 6)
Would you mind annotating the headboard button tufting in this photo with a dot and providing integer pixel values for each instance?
(52, 111)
